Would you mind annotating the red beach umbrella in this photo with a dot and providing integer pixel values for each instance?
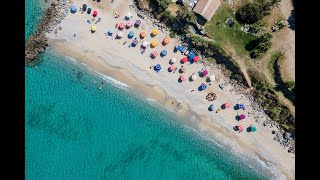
(184, 60)
(195, 59)
(121, 25)
(155, 54)
(182, 78)
(226, 105)
(240, 128)
(172, 67)
(205, 72)
(242, 116)
(95, 13)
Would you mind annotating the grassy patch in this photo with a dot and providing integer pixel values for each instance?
(273, 59)
(231, 38)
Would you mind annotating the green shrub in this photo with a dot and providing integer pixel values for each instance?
(249, 13)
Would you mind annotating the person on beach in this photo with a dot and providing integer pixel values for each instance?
(218, 110)
(192, 90)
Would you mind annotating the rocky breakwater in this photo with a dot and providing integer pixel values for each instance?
(38, 41)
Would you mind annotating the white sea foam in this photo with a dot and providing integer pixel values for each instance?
(71, 58)
(115, 82)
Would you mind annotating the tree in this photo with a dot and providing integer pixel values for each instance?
(249, 13)
(163, 4)
(264, 44)
(268, 6)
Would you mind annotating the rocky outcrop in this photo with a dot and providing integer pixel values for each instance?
(38, 41)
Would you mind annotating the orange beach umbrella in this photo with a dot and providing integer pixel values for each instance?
(143, 34)
(166, 40)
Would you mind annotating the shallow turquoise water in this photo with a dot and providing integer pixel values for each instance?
(75, 131)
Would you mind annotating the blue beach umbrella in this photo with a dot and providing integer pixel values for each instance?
(191, 55)
(134, 42)
(240, 106)
(164, 52)
(131, 34)
(157, 67)
(178, 48)
(203, 86)
(138, 22)
(73, 9)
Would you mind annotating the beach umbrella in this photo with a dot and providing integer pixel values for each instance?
(172, 67)
(166, 40)
(226, 105)
(212, 107)
(110, 31)
(157, 67)
(173, 60)
(95, 13)
(203, 86)
(93, 28)
(138, 22)
(240, 128)
(121, 25)
(155, 54)
(84, 7)
(89, 10)
(240, 106)
(178, 48)
(195, 59)
(183, 69)
(194, 77)
(182, 78)
(253, 128)
(135, 42)
(154, 32)
(184, 60)
(128, 24)
(98, 0)
(212, 78)
(143, 34)
(73, 9)
(242, 116)
(205, 72)
(145, 44)
(131, 34)
(119, 34)
(164, 52)
(129, 15)
(154, 43)
(191, 55)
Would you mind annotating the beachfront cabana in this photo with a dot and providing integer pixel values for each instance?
(154, 32)
(142, 34)
(182, 78)
(173, 60)
(73, 9)
(84, 7)
(119, 34)
(128, 16)
(131, 34)
(128, 25)
(165, 40)
(93, 29)
(172, 67)
(89, 11)
(184, 60)
(155, 54)
(242, 117)
(205, 72)
(154, 43)
(212, 78)
(121, 26)
(157, 67)
(164, 52)
(137, 23)
(134, 42)
(95, 13)
(203, 86)
(183, 69)
(194, 77)
(226, 105)
(145, 44)
(196, 58)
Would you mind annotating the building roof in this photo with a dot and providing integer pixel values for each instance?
(207, 8)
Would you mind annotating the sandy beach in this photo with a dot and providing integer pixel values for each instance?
(107, 55)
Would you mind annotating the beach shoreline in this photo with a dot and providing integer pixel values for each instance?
(109, 57)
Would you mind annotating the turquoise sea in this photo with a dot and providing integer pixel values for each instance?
(75, 131)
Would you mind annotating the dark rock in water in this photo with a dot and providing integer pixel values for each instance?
(79, 75)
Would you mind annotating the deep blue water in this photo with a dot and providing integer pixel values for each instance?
(75, 131)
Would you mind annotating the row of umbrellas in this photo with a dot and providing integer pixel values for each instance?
(240, 128)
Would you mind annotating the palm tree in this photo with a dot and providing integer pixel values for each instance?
(269, 6)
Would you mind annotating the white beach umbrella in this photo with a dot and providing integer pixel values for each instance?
(194, 77)
(119, 34)
(145, 44)
(129, 15)
(212, 78)
(173, 60)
